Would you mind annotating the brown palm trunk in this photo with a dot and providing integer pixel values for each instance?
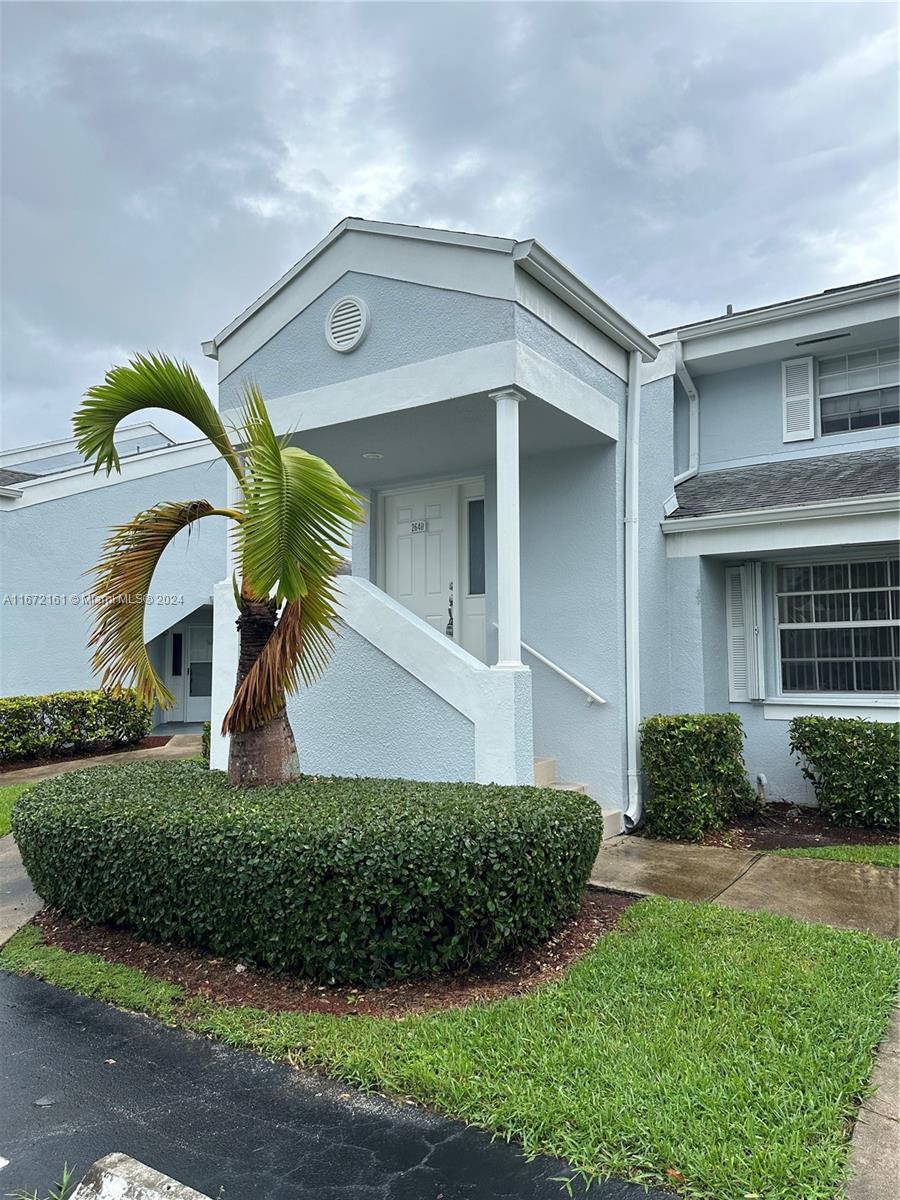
(267, 755)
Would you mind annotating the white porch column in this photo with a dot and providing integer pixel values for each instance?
(509, 602)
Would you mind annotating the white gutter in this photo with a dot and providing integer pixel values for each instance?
(808, 511)
(632, 595)
(684, 378)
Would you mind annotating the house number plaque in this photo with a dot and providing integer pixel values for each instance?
(418, 527)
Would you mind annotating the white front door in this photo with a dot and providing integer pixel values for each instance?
(198, 682)
(421, 552)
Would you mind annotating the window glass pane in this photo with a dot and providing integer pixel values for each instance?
(177, 645)
(798, 643)
(869, 574)
(866, 378)
(829, 577)
(866, 420)
(835, 424)
(476, 547)
(832, 606)
(876, 675)
(794, 579)
(876, 642)
(834, 643)
(836, 675)
(795, 610)
(829, 366)
(863, 358)
(834, 385)
(201, 679)
(888, 373)
(799, 676)
(871, 606)
(889, 354)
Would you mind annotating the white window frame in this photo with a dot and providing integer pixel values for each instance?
(824, 698)
(851, 391)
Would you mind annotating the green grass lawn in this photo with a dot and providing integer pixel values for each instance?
(878, 856)
(717, 1052)
(7, 796)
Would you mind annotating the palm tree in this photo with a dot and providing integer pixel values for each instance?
(289, 530)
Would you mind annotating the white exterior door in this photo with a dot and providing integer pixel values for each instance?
(173, 674)
(421, 551)
(198, 682)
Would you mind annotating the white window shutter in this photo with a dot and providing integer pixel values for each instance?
(798, 399)
(743, 612)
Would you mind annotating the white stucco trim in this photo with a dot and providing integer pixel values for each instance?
(447, 377)
(783, 708)
(487, 696)
(463, 262)
(866, 520)
(83, 479)
(729, 331)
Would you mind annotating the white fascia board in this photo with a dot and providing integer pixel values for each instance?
(793, 321)
(83, 479)
(9, 458)
(400, 252)
(661, 367)
(448, 377)
(838, 522)
(532, 257)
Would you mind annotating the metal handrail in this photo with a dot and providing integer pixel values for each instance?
(593, 697)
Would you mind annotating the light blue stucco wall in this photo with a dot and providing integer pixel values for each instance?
(741, 421)
(408, 323)
(571, 576)
(46, 548)
(368, 716)
(532, 331)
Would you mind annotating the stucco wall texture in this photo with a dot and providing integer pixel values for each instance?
(45, 549)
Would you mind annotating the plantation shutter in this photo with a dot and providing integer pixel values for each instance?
(798, 395)
(743, 620)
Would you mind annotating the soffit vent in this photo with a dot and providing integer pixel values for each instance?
(347, 323)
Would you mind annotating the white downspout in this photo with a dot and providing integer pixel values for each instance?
(632, 596)
(684, 378)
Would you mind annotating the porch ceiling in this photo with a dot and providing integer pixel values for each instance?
(455, 437)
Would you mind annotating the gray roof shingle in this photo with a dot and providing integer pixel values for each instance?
(798, 481)
(9, 477)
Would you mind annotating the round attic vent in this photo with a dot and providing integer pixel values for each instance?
(347, 323)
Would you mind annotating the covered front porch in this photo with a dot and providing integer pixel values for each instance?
(472, 636)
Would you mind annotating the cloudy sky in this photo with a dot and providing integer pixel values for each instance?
(162, 164)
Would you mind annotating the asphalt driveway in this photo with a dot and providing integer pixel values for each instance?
(79, 1080)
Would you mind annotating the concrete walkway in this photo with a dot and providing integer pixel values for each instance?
(183, 745)
(875, 1148)
(845, 895)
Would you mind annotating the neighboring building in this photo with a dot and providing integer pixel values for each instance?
(571, 525)
(55, 515)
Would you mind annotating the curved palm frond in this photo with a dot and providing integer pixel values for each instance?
(121, 584)
(148, 381)
(297, 511)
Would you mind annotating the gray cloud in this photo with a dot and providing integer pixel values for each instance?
(163, 164)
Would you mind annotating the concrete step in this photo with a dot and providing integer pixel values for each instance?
(568, 787)
(544, 772)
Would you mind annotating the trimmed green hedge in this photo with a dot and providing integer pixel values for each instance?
(694, 769)
(205, 740)
(338, 880)
(854, 766)
(63, 722)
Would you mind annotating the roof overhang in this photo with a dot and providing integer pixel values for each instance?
(528, 256)
(846, 318)
(863, 520)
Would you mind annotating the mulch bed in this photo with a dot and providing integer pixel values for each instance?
(788, 827)
(147, 743)
(228, 982)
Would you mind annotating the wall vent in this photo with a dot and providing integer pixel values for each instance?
(347, 323)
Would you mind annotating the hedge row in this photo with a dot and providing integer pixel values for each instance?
(338, 880)
(695, 774)
(854, 767)
(39, 726)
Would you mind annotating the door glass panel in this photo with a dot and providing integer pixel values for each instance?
(201, 679)
(476, 547)
(177, 646)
